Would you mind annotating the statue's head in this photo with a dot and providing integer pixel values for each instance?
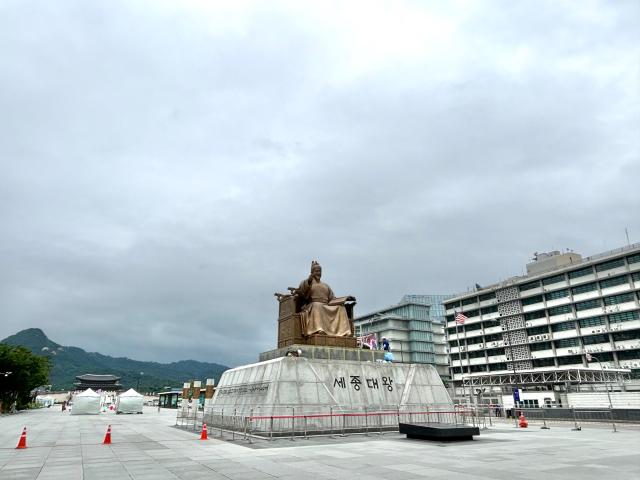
(316, 269)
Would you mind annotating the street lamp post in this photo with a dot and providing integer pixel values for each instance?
(590, 357)
(138, 384)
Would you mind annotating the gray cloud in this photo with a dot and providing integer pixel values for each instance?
(167, 166)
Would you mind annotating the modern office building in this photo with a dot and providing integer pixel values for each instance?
(415, 329)
(537, 329)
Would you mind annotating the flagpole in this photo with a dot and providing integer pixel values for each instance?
(468, 367)
(455, 318)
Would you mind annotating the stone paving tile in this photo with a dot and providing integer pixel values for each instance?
(147, 446)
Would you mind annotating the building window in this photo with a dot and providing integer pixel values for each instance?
(616, 299)
(629, 355)
(615, 281)
(560, 310)
(487, 310)
(532, 300)
(581, 273)
(494, 367)
(554, 279)
(593, 339)
(529, 286)
(537, 330)
(469, 301)
(636, 277)
(487, 296)
(592, 322)
(449, 306)
(544, 362)
(471, 328)
(474, 340)
(633, 258)
(567, 342)
(423, 357)
(618, 262)
(492, 352)
(622, 336)
(491, 323)
(476, 354)
(561, 327)
(557, 294)
(587, 287)
(624, 316)
(536, 347)
(586, 305)
(534, 315)
(494, 337)
(570, 360)
(471, 313)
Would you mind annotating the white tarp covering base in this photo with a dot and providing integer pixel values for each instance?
(129, 402)
(44, 400)
(86, 403)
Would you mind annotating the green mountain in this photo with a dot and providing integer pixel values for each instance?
(71, 361)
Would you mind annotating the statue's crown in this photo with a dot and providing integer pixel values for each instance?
(314, 263)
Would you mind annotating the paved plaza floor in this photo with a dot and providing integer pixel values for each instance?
(67, 447)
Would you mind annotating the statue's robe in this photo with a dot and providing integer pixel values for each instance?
(322, 312)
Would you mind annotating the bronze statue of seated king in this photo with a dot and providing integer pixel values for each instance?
(312, 314)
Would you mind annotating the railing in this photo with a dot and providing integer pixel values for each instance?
(282, 422)
(286, 422)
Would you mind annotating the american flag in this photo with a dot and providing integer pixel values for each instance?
(460, 318)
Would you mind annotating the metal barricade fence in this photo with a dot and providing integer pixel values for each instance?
(544, 417)
(335, 420)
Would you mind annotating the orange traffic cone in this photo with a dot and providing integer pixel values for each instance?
(203, 435)
(523, 421)
(107, 437)
(22, 443)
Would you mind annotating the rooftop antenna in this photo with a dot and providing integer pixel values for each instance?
(626, 232)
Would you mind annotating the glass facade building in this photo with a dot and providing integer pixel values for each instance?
(414, 328)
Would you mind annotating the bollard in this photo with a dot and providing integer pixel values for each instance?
(575, 428)
(612, 421)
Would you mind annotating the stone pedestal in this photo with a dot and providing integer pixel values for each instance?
(268, 395)
(325, 353)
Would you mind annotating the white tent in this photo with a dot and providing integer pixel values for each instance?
(129, 402)
(86, 403)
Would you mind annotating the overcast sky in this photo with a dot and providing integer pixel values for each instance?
(166, 166)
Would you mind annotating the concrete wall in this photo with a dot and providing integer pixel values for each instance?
(599, 399)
